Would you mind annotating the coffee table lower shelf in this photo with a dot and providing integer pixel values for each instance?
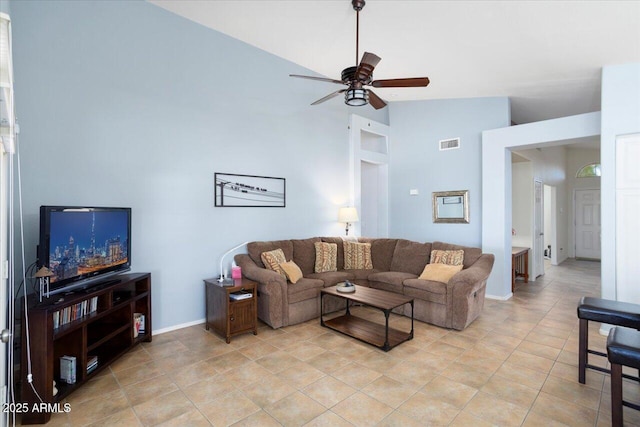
(367, 331)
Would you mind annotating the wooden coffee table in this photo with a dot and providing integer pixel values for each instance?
(381, 336)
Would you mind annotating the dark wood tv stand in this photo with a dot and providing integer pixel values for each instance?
(108, 333)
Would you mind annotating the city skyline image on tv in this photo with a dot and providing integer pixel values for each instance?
(85, 242)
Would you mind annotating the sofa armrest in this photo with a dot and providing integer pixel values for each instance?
(465, 292)
(258, 274)
(470, 279)
(272, 291)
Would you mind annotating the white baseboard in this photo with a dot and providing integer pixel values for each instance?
(504, 298)
(176, 327)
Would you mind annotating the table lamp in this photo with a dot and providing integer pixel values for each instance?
(43, 276)
(348, 215)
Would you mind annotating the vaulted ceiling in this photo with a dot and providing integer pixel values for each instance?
(546, 56)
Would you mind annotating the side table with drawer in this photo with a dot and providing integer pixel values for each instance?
(229, 317)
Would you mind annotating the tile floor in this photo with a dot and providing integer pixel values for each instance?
(515, 365)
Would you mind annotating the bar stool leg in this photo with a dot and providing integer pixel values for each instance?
(616, 395)
(583, 345)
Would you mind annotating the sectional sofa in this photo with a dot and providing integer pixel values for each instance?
(397, 265)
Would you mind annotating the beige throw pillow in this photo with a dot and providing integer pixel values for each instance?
(447, 257)
(326, 257)
(357, 256)
(439, 272)
(273, 259)
(292, 271)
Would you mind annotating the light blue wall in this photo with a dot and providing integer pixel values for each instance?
(417, 163)
(125, 104)
(620, 116)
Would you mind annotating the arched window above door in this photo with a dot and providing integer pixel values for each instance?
(589, 171)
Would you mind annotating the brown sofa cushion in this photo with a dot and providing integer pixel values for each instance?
(304, 254)
(389, 280)
(304, 289)
(410, 257)
(426, 290)
(381, 252)
(360, 275)
(331, 278)
(340, 256)
(255, 249)
(471, 255)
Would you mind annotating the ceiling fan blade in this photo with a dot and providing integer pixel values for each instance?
(328, 97)
(366, 66)
(322, 79)
(375, 101)
(410, 82)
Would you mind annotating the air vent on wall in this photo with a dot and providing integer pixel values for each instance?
(449, 144)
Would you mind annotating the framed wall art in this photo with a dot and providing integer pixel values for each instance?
(451, 207)
(232, 190)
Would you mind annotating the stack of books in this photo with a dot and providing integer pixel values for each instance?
(240, 295)
(68, 369)
(74, 312)
(92, 364)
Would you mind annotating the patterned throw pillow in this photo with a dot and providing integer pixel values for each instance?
(292, 271)
(357, 256)
(447, 257)
(272, 260)
(439, 272)
(326, 257)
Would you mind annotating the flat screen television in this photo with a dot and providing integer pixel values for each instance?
(83, 246)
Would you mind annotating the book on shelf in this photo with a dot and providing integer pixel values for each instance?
(92, 363)
(138, 322)
(240, 295)
(141, 329)
(74, 312)
(68, 369)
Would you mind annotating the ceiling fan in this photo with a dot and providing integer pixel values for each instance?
(355, 78)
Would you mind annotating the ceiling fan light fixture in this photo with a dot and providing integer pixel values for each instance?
(356, 97)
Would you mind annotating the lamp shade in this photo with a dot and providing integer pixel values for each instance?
(348, 215)
(44, 272)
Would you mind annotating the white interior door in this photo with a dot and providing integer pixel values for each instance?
(538, 229)
(587, 224)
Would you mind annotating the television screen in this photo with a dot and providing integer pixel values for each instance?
(81, 245)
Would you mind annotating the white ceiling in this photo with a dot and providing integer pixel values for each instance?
(545, 55)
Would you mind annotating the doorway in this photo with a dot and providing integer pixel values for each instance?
(369, 146)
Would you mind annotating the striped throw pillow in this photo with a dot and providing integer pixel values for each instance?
(447, 257)
(326, 257)
(273, 259)
(357, 256)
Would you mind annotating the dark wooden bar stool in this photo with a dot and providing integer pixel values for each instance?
(623, 349)
(604, 311)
